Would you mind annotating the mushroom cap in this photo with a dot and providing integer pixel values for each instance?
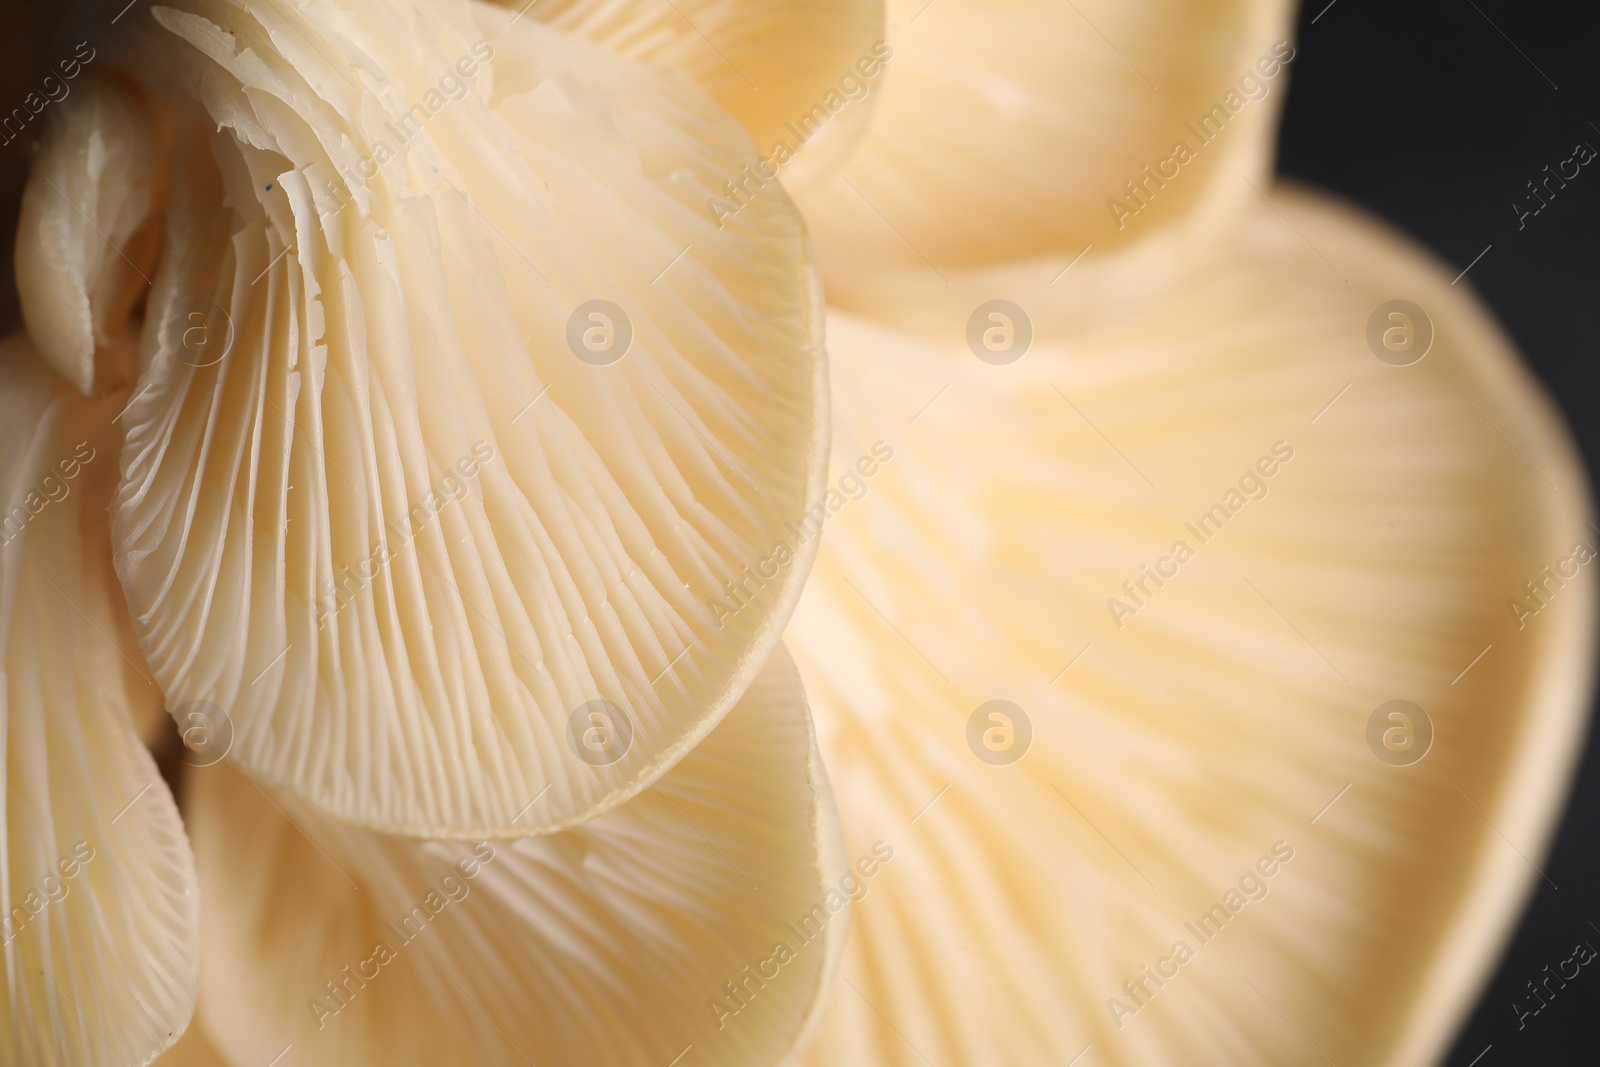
(647, 930)
(770, 63)
(455, 408)
(98, 896)
(1003, 133)
(1217, 732)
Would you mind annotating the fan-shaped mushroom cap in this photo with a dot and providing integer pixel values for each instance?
(1004, 132)
(97, 893)
(1201, 549)
(456, 410)
(705, 913)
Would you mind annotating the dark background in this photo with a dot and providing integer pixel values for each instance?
(1435, 116)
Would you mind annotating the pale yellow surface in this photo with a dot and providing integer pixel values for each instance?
(601, 945)
(98, 895)
(1173, 747)
(389, 519)
(1003, 127)
(768, 62)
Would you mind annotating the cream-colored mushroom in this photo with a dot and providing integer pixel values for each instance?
(700, 921)
(1321, 533)
(88, 233)
(1003, 131)
(98, 898)
(455, 408)
(799, 75)
(1199, 510)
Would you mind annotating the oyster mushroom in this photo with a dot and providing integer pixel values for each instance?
(450, 398)
(603, 944)
(98, 895)
(1197, 526)
(347, 389)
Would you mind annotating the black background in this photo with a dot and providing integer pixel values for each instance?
(1429, 115)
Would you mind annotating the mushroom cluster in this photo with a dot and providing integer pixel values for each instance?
(420, 410)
